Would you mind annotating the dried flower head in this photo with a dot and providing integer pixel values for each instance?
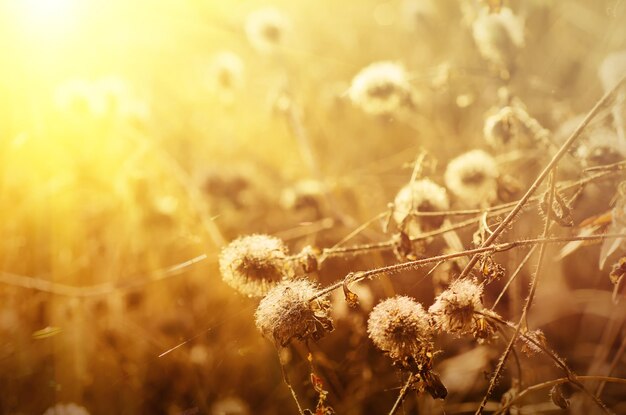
(454, 310)
(266, 29)
(255, 263)
(498, 36)
(381, 88)
(226, 75)
(473, 178)
(601, 146)
(400, 327)
(66, 409)
(420, 196)
(286, 313)
(502, 127)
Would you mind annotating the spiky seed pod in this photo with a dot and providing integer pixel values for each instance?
(255, 263)
(473, 178)
(400, 327)
(381, 88)
(286, 313)
(498, 36)
(454, 310)
(66, 409)
(266, 29)
(420, 196)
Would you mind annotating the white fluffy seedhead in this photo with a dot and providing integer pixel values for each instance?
(498, 36)
(286, 313)
(255, 263)
(226, 74)
(400, 327)
(381, 88)
(420, 196)
(266, 29)
(473, 178)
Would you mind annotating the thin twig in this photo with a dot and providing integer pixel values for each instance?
(551, 383)
(402, 394)
(544, 173)
(404, 266)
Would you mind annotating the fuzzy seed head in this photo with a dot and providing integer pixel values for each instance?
(66, 409)
(473, 178)
(400, 327)
(266, 29)
(255, 263)
(453, 310)
(286, 313)
(500, 127)
(498, 36)
(420, 196)
(601, 146)
(226, 73)
(381, 88)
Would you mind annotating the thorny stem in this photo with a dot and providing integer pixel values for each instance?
(293, 392)
(492, 211)
(402, 394)
(544, 173)
(559, 381)
(514, 275)
(571, 376)
(533, 287)
(404, 266)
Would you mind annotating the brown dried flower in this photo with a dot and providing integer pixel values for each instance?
(455, 310)
(400, 327)
(286, 313)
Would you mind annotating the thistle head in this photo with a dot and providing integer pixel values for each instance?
(381, 88)
(400, 327)
(473, 178)
(287, 312)
(420, 196)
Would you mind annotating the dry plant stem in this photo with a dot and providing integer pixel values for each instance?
(514, 275)
(614, 362)
(493, 211)
(40, 284)
(283, 369)
(294, 120)
(330, 251)
(544, 173)
(571, 376)
(404, 266)
(515, 356)
(551, 383)
(402, 394)
(533, 285)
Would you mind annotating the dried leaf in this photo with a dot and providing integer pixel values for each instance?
(351, 298)
(403, 247)
(434, 386)
(558, 398)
